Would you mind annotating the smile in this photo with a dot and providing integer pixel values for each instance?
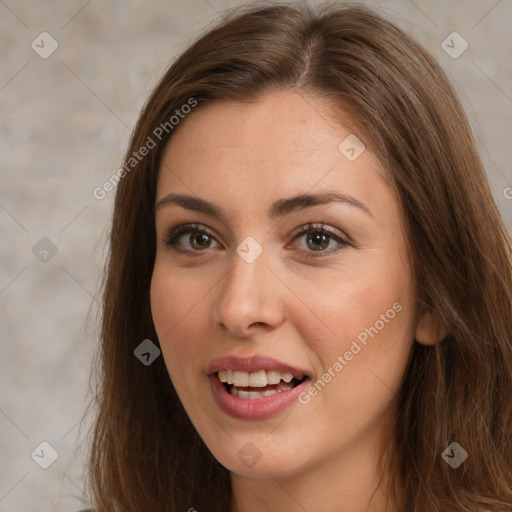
(255, 385)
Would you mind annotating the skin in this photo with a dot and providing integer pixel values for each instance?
(306, 311)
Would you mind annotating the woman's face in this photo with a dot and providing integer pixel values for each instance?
(337, 307)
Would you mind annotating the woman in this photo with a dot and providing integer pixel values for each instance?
(308, 297)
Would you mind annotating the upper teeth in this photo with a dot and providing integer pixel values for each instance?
(255, 379)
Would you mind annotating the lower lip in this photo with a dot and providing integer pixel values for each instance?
(257, 408)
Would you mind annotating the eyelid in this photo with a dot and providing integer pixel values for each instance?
(319, 227)
(175, 233)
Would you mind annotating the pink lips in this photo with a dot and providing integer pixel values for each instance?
(258, 408)
(252, 364)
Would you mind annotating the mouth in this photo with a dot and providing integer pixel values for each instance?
(255, 387)
(260, 384)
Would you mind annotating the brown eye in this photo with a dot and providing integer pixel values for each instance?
(199, 238)
(318, 240)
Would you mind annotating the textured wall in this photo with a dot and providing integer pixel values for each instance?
(64, 124)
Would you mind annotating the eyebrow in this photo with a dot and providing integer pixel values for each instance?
(279, 208)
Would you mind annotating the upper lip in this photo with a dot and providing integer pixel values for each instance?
(253, 363)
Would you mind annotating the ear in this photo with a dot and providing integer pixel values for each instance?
(431, 328)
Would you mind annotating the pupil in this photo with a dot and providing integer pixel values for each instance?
(200, 236)
(317, 236)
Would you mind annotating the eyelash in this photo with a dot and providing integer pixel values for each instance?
(175, 234)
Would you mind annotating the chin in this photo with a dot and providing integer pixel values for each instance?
(257, 457)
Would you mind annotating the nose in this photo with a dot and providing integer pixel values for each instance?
(249, 298)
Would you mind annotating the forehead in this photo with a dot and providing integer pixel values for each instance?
(283, 144)
(276, 117)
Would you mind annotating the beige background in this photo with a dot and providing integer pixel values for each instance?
(64, 124)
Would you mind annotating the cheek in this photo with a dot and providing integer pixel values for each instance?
(359, 367)
(178, 309)
(363, 341)
(359, 306)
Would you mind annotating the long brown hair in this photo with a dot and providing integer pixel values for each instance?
(145, 455)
